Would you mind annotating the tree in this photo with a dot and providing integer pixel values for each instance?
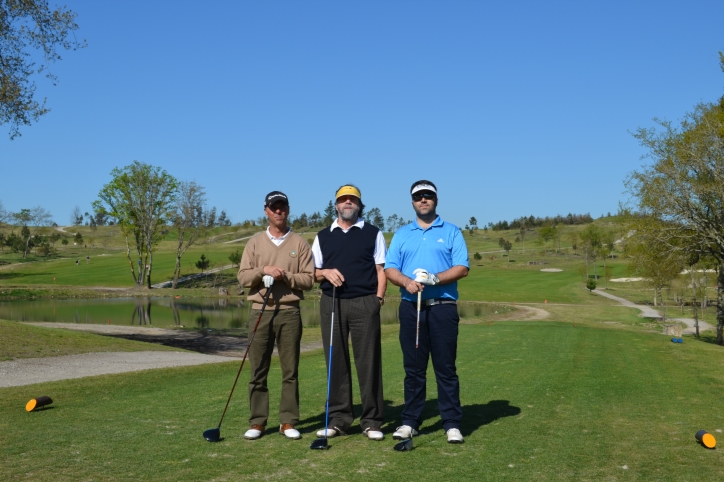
(64, 241)
(76, 216)
(78, 239)
(573, 239)
(330, 213)
(25, 26)
(31, 220)
(3, 214)
(591, 242)
(142, 198)
(189, 221)
(606, 249)
(477, 256)
(653, 259)
(315, 219)
(203, 263)
(473, 223)
(682, 191)
(222, 219)
(591, 284)
(211, 218)
(507, 246)
(547, 233)
(375, 218)
(392, 222)
(235, 258)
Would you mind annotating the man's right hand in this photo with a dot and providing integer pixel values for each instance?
(413, 287)
(333, 276)
(274, 271)
(268, 281)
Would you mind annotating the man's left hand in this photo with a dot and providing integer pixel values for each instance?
(425, 277)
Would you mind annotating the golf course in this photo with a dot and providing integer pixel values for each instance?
(561, 384)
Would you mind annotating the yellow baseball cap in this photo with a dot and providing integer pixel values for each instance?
(348, 191)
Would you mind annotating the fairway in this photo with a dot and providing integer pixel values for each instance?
(541, 400)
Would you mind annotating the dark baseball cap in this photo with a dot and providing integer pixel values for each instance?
(275, 196)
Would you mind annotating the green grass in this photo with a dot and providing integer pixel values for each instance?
(27, 341)
(542, 400)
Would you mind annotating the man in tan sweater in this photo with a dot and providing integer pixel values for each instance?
(281, 261)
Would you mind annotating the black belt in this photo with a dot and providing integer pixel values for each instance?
(437, 301)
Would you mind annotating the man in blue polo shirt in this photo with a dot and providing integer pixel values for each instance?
(429, 256)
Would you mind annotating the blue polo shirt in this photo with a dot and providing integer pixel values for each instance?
(437, 248)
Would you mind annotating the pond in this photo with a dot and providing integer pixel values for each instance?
(220, 314)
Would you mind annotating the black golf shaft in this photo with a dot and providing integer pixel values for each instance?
(248, 345)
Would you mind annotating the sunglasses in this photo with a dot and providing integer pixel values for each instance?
(427, 195)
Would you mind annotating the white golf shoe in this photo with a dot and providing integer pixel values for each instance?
(373, 433)
(331, 432)
(254, 432)
(404, 432)
(288, 430)
(454, 436)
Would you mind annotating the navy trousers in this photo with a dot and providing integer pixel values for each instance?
(439, 339)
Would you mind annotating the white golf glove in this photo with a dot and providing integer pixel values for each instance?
(425, 277)
(268, 281)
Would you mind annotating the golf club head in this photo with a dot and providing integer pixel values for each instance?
(404, 446)
(319, 444)
(212, 435)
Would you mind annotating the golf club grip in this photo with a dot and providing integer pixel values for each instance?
(248, 345)
(417, 329)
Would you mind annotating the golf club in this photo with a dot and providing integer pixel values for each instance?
(406, 445)
(214, 434)
(321, 443)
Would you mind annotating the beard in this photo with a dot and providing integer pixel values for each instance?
(349, 214)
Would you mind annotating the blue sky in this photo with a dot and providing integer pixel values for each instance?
(511, 108)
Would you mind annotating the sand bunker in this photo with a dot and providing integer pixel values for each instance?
(626, 280)
(551, 270)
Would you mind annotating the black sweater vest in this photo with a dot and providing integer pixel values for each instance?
(353, 254)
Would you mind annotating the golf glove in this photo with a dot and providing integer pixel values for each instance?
(268, 281)
(425, 277)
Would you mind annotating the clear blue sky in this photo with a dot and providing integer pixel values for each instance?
(511, 108)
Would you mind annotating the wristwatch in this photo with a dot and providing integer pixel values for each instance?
(382, 300)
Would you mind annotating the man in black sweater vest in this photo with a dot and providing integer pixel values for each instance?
(350, 255)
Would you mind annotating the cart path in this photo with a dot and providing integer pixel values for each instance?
(648, 312)
(207, 348)
(28, 371)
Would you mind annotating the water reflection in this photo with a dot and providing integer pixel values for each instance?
(204, 313)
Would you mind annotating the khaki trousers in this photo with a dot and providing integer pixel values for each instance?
(283, 326)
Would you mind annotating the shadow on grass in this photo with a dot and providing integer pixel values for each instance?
(12, 276)
(475, 416)
(706, 337)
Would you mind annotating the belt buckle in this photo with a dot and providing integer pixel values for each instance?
(430, 302)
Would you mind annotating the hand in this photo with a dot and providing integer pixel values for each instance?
(334, 276)
(425, 277)
(268, 281)
(274, 271)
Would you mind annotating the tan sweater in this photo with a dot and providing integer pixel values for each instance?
(294, 256)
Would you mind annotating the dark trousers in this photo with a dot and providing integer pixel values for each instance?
(439, 338)
(358, 318)
(284, 327)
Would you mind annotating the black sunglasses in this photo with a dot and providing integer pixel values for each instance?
(427, 195)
